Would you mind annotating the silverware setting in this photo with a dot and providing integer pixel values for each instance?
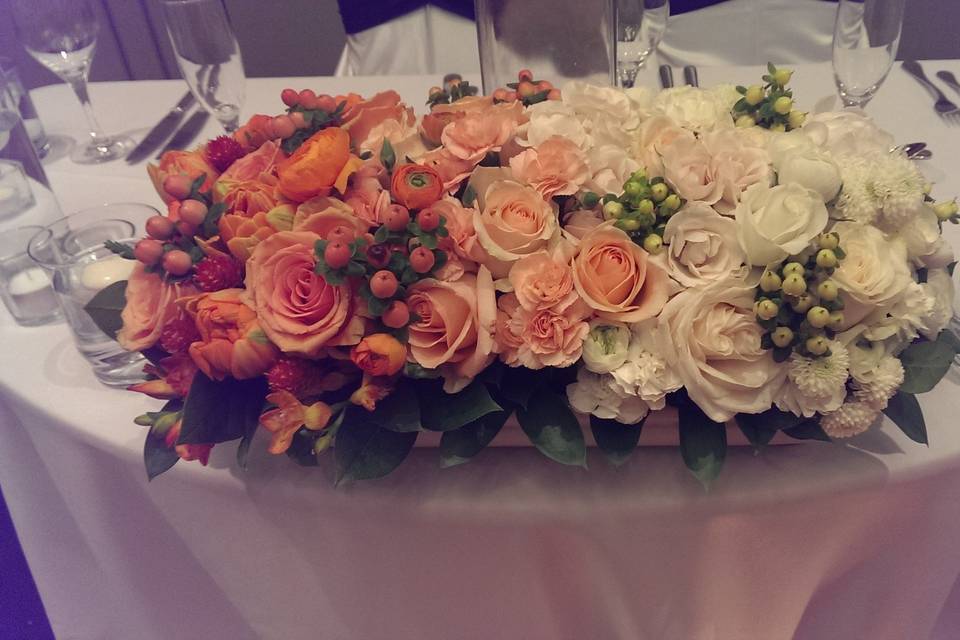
(666, 76)
(162, 130)
(946, 109)
(913, 150)
(690, 76)
(187, 132)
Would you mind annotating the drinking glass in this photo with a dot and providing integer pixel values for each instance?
(61, 35)
(208, 56)
(25, 287)
(640, 27)
(865, 40)
(71, 250)
(14, 96)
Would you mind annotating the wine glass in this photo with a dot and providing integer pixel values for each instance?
(865, 40)
(640, 27)
(61, 35)
(208, 56)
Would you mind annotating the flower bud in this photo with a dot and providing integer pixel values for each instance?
(645, 206)
(653, 243)
(612, 210)
(818, 317)
(827, 290)
(782, 336)
(783, 105)
(829, 240)
(766, 309)
(770, 282)
(817, 345)
(782, 76)
(754, 95)
(605, 347)
(796, 119)
(672, 202)
(826, 259)
(794, 285)
(659, 191)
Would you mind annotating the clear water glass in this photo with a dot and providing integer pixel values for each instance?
(71, 250)
(208, 56)
(865, 40)
(640, 25)
(62, 35)
(14, 96)
(25, 288)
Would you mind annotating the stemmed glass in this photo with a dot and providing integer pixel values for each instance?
(865, 40)
(208, 56)
(640, 27)
(61, 35)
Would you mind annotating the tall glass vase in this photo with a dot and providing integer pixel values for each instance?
(558, 40)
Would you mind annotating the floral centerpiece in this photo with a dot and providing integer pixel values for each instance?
(347, 275)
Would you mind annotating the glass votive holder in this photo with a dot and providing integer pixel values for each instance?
(15, 193)
(25, 287)
(72, 250)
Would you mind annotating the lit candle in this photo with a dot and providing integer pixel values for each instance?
(102, 273)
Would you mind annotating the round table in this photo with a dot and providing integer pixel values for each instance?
(806, 541)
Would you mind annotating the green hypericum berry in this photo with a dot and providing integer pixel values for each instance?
(827, 290)
(792, 267)
(646, 219)
(782, 336)
(645, 206)
(803, 303)
(766, 309)
(782, 76)
(653, 243)
(828, 240)
(794, 284)
(613, 210)
(672, 202)
(818, 317)
(783, 105)
(817, 345)
(628, 224)
(836, 320)
(770, 282)
(659, 191)
(945, 210)
(754, 95)
(826, 259)
(633, 188)
(744, 121)
(796, 119)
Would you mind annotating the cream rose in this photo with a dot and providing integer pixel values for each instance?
(701, 246)
(714, 343)
(773, 223)
(515, 221)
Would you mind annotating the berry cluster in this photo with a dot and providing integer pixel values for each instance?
(798, 304)
(527, 90)
(642, 210)
(307, 113)
(400, 252)
(454, 88)
(769, 106)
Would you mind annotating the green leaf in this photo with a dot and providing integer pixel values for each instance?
(553, 428)
(617, 440)
(388, 157)
(905, 412)
(925, 363)
(220, 411)
(703, 443)
(447, 411)
(469, 196)
(399, 411)
(460, 445)
(517, 384)
(809, 429)
(759, 428)
(301, 447)
(121, 249)
(364, 451)
(211, 221)
(951, 339)
(105, 308)
(243, 449)
(157, 457)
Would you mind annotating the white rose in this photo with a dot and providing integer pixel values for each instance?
(553, 118)
(939, 287)
(925, 245)
(701, 246)
(810, 168)
(605, 347)
(847, 132)
(594, 394)
(773, 223)
(694, 109)
(645, 373)
(610, 167)
(714, 343)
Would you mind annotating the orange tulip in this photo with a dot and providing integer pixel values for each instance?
(289, 416)
(379, 354)
(322, 163)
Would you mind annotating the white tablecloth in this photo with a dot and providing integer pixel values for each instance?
(807, 541)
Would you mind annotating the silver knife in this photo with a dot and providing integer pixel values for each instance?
(186, 133)
(690, 75)
(162, 130)
(666, 76)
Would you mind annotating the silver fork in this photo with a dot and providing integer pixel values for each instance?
(947, 110)
(950, 79)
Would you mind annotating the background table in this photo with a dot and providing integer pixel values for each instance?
(809, 541)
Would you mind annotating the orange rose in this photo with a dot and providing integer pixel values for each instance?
(322, 163)
(454, 328)
(192, 164)
(416, 186)
(151, 303)
(298, 310)
(613, 276)
(231, 341)
(379, 354)
(241, 234)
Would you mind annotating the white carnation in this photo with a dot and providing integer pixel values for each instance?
(695, 109)
(645, 373)
(849, 420)
(594, 394)
(877, 387)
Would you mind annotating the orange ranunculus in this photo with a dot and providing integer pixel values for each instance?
(289, 416)
(189, 163)
(151, 303)
(322, 163)
(416, 186)
(241, 234)
(231, 340)
(187, 452)
(379, 354)
(372, 390)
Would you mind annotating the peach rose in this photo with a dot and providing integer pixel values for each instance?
(614, 276)
(482, 131)
(299, 311)
(416, 186)
(151, 303)
(321, 215)
(454, 328)
(322, 163)
(241, 233)
(555, 167)
(538, 338)
(540, 282)
(231, 341)
(515, 221)
(379, 354)
(192, 164)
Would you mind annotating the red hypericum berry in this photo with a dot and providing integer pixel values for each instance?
(422, 259)
(217, 272)
(298, 120)
(148, 251)
(307, 97)
(193, 212)
(178, 334)
(500, 95)
(223, 152)
(525, 74)
(397, 315)
(177, 262)
(378, 255)
(283, 127)
(428, 219)
(291, 374)
(327, 103)
(186, 229)
(337, 254)
(511, 96)
(554, 94)
(343, 233)
(177, 186)
(397, 217)
(290, 97)
(526, 89)
(159, 227)
(383, 284)
(544, 85)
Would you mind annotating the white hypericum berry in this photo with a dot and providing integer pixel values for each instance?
(850, 419)
(884, 382)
